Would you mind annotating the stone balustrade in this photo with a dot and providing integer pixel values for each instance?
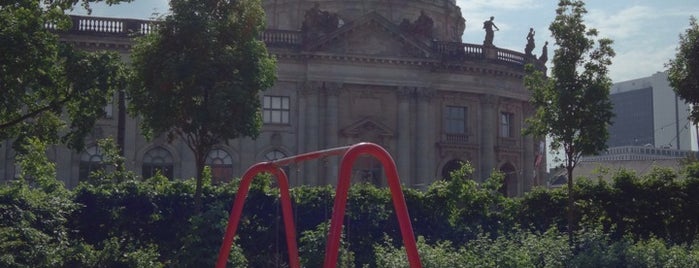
(448, 51)
(117, 27)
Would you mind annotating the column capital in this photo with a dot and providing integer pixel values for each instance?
(404, 93)
(424, 93)
(332, 88)
(309, 88)
(489, 99)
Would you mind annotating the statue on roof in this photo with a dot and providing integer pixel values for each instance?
(422, 27)
(488, 25)
(530, 43)
(544, 54)
(317, 22)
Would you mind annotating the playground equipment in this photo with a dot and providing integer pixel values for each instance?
(350, 154)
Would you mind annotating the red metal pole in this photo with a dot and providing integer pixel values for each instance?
(333, 244)
(237, 210)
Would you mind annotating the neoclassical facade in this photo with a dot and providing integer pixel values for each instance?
(390, 72)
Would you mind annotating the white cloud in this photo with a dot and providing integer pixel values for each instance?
(640, 62)
(482, 5)
(623, 24)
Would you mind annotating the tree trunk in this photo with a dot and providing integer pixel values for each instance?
(121, 121)
(571, 206)
(199, 159)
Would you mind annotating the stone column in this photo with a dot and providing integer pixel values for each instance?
(528, 176)
(530, 150)
(301, 134)
(424, 143)
(489, 132)
(311, 125)
(332, 91)
(404, 150)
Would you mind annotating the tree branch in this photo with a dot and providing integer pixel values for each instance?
(32, 114)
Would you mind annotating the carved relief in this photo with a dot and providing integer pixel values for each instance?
(369, 130)
(421, 28)
(317, 23)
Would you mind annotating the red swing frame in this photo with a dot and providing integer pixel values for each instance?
(350, 155)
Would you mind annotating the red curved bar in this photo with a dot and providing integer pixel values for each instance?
(237, 210)
(406, 229)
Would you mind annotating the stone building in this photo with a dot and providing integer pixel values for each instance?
(390, 72)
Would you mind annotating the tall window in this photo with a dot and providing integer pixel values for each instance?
(157, 159)
(90, 161)
(275, 109)
(221, 165)
(506, 125)
(455, 120)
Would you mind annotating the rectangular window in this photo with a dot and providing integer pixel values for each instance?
(455, 120)
(276, 109)
(506, 125)
(108, 110)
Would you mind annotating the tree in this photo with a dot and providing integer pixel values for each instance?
(572, 106)
(684, 69)
(197, 77)
(46, 85)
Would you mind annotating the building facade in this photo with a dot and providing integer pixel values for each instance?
(648, 112)
(390, 72)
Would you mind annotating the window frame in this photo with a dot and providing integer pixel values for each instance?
(282, 110)
(506, 126)
(452, 122)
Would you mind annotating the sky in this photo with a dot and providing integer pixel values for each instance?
(645, 32)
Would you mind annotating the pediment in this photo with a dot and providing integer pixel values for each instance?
(367, 128)
(371, 35)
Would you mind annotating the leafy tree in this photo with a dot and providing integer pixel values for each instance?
(197, 77)
(573, 106)
(44, 84)
(684, 69)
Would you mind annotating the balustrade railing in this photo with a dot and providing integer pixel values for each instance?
(511, 56)
(457, 138)
(458, 51)
(450, 51)
(109, 26)
(282, 38)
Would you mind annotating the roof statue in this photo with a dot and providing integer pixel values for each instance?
(488, 25)
(530, 43)
(317, 22)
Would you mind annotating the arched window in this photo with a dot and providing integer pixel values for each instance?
(157, 159)
(221, 165)
(275, 155)
(509, 185)
(90, 161)
(449, 167)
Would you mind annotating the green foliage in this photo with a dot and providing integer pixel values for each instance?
(48, 89)
(573, 106)
(199, 74)
(630, 222)
(33, 213)
(312, 248)
(113, 169)
(683, 70)
(520, 249)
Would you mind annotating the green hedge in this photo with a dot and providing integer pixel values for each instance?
(115, 220)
